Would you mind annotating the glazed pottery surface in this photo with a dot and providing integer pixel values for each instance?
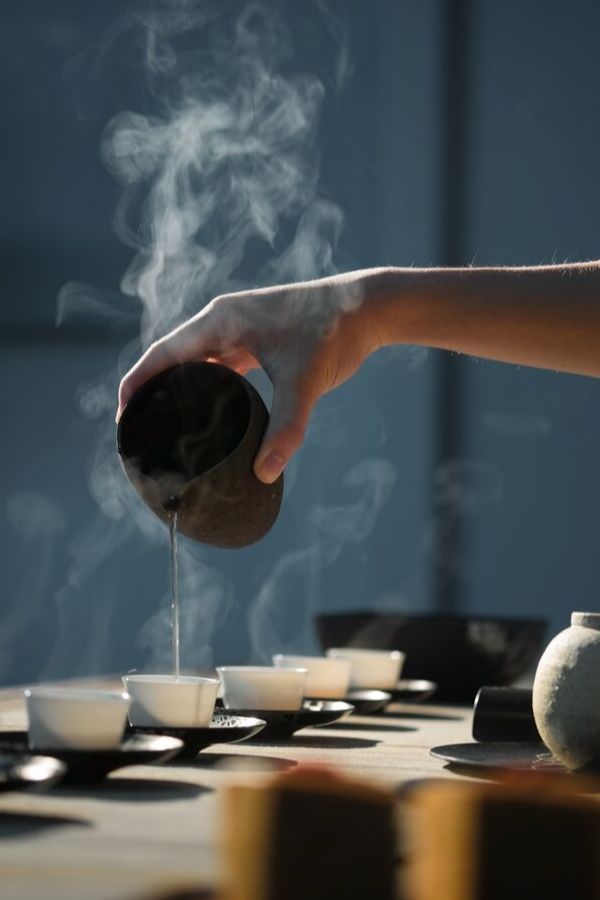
(370, 669)
(262, 687)
(75, 718)
(171, 700)
(326, 679)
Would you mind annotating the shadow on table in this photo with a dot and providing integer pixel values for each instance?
(406, 711)
(185, 894)
(138, 789)
(325, 743)
(350, 725)
(478, 772)
(577, 785)
(241, 761)
(20, 824)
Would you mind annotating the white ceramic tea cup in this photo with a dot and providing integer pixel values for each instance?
(371, 669)
(326, 678)
(184, 701)
(262, 687)
(75, 718)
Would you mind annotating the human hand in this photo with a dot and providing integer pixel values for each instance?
(308, 337)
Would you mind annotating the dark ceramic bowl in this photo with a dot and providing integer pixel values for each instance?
(187, 441)
(459, 653)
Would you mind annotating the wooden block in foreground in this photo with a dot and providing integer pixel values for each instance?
(309, 835)
(507, 842)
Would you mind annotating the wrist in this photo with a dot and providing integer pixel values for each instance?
(415, 306)
(391, 305)
(365, 298)
(395, 306)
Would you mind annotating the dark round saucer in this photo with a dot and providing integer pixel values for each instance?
(370, 701)
(367, 702)
(92, 766)
(413, 690)
(223, 729)
(527, 756)
(24, 772)
(282, 724)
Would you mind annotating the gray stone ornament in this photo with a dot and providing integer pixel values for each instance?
(566, 693)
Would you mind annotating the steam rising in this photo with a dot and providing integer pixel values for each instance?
(205, 602)
(354, 522)
(220, 176)
(40, 524)
(276, 622)
(228, 157)
(461, 487)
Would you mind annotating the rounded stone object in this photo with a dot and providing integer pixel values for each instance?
(566, 693)
(187, 441)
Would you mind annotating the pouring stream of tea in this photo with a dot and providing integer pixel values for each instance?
(174, 594)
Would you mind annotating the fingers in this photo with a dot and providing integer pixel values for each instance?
(208, 336)
(157, 358)
(290, 413)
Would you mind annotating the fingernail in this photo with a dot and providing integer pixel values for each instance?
(270, 468)
(118, 415)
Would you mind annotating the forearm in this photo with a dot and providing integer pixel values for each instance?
(546, 316)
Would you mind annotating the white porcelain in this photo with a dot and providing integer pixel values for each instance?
(566, 693)
(75, 718)
(371, 669)
(262, 687)
(326, 679)
(183, 701)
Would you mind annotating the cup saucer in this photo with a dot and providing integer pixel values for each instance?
(528, 756)
(92, 766)
(282, 724)
(22, 771)
(223, 729)
(365, 701)
(413, 690)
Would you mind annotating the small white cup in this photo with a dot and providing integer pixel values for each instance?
(183, 701)
(371, 669)
(326, 679)
(262, 687)
(75, 718)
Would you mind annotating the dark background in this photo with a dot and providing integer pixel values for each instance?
(466, 132)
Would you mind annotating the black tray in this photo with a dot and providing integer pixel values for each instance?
(282, 724)
(92, 766)
(223, 729)
(28, 772)
(525, 756)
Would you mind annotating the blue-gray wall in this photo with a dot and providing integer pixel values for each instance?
(534, 196)
(83, 588)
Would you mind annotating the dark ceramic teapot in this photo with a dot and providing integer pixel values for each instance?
(187, 441)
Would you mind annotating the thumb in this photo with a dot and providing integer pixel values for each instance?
(290, 412)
